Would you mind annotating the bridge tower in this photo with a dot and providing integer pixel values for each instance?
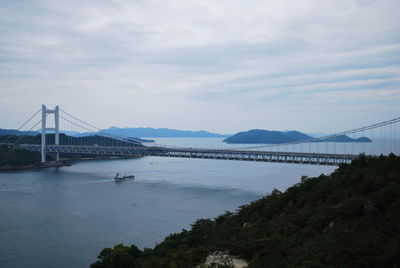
(56, 130)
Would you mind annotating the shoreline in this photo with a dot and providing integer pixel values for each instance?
(35, 166)
(62, 163)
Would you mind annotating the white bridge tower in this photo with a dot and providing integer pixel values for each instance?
(56, 130)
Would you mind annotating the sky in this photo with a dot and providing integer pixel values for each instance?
(223, 66)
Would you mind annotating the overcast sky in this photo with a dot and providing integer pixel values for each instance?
(221, 65)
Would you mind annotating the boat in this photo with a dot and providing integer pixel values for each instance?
(120, 177)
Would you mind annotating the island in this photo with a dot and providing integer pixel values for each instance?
(260, 136)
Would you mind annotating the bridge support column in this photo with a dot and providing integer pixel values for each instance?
(43, 147)
(56, 130)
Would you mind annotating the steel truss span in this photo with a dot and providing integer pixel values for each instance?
(82, 149)
(260, 156)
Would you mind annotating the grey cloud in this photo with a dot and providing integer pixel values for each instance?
(220, 57)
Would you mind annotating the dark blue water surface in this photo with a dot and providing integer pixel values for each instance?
(63, 217)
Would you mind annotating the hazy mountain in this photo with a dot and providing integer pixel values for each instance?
(106, 133)
(77, 134)
(297, 135)
(316, 135)
(160, 133)
(276, 137)
(17, 132)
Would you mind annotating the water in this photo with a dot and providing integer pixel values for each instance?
(63, 217)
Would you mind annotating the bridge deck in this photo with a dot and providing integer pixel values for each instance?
(243, 155)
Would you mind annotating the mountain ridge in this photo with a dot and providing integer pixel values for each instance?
(134, 133)
(149, 132)
(5, 132)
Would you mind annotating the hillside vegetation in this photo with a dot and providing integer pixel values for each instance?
(17, 157)
(66, 139)
(348, 219)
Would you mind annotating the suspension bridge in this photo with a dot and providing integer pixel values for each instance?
(58, 125)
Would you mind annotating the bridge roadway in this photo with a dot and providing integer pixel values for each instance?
(262, 156)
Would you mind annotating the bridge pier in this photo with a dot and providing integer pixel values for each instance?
(43, 145)
(56, 130)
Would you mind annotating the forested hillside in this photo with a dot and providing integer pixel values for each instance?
(348, 219)
(17, 157)
(66, 139)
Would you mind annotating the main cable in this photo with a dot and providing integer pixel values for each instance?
(20, 137)
(26, 122)
(98, 134)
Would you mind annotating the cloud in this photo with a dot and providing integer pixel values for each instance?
(201, 64)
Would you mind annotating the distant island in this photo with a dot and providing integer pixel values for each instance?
(149, 132)
(343, 138)
(146, 132)
(260, 136)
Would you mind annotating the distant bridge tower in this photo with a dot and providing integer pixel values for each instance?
(56, 130)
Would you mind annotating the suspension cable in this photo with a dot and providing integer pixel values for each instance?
(20, 137)
(80, 120)
(99, 134)
(26, 122)
(85, 128)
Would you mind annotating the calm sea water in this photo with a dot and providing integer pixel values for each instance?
(63, 217)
